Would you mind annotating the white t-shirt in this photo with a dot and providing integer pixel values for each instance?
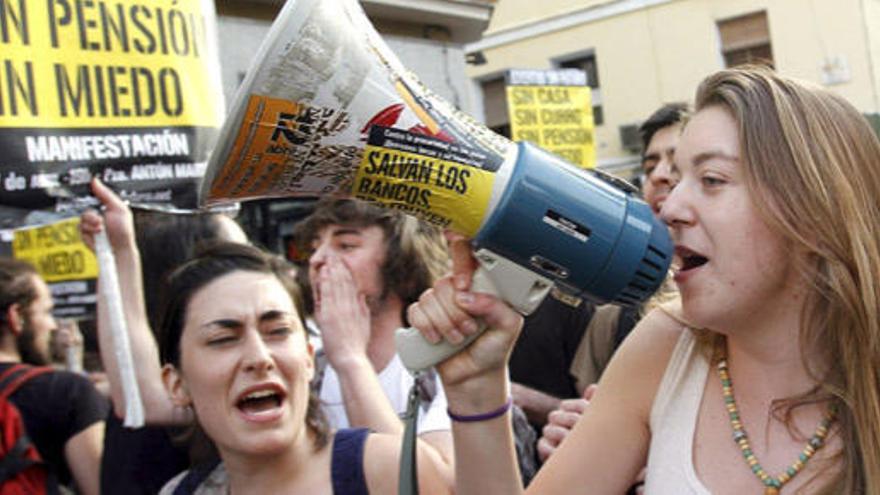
(396, 382)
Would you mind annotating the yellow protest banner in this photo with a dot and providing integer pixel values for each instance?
(558, 118)
(56, 250)
(128, 91)
(107, 63)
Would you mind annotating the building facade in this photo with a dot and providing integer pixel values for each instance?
(639, 54)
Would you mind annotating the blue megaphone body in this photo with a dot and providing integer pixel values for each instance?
(556, 225)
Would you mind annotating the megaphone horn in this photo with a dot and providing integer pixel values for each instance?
(328, 109)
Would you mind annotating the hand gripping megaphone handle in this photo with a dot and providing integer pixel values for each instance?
(523, 289)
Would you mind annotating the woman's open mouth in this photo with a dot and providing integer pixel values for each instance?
(261, 403)
(687, 260)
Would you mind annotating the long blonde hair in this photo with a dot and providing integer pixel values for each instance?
(813, 167)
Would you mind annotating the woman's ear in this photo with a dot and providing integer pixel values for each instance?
(310, 365)
(175, 386)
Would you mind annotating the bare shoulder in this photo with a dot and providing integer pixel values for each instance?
(661, 326)
(381, 455)
(382, 466)
(381, 448)
(637, 367)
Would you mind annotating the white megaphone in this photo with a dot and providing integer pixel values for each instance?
(328, 109)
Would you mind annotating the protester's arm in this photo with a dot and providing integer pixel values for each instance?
(608, 446)
(476, 382)
(117, 219)
(83, 455)
(606, 449)
(367, 405)
(344, 318)
(382, 467)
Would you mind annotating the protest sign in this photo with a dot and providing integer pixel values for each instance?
(62, 259)
(552, 109)
(124, 90)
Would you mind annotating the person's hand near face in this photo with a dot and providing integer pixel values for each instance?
(348, 289)
(341, 312)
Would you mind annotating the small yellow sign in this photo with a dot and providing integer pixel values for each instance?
(56, 250)
(556, 118)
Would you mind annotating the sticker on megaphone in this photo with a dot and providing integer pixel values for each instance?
(328, 109)
(437, 180)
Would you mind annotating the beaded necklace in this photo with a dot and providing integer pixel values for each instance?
(772, 484)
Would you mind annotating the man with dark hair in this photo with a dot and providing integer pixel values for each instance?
(659, 137)
(62, 412)
(367, 264)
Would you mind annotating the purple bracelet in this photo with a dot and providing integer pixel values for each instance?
(473, 418)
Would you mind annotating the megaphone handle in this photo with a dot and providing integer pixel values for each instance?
(419, 354)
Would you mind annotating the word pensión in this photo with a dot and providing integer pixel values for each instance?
(96, 25)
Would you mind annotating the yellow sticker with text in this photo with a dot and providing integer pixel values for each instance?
(278, 152)
(437, 181)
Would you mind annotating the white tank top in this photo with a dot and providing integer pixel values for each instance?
(673, 421)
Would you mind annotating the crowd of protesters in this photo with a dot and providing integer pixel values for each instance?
(754, 368)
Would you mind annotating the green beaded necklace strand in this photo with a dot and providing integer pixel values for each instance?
(772, 484)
